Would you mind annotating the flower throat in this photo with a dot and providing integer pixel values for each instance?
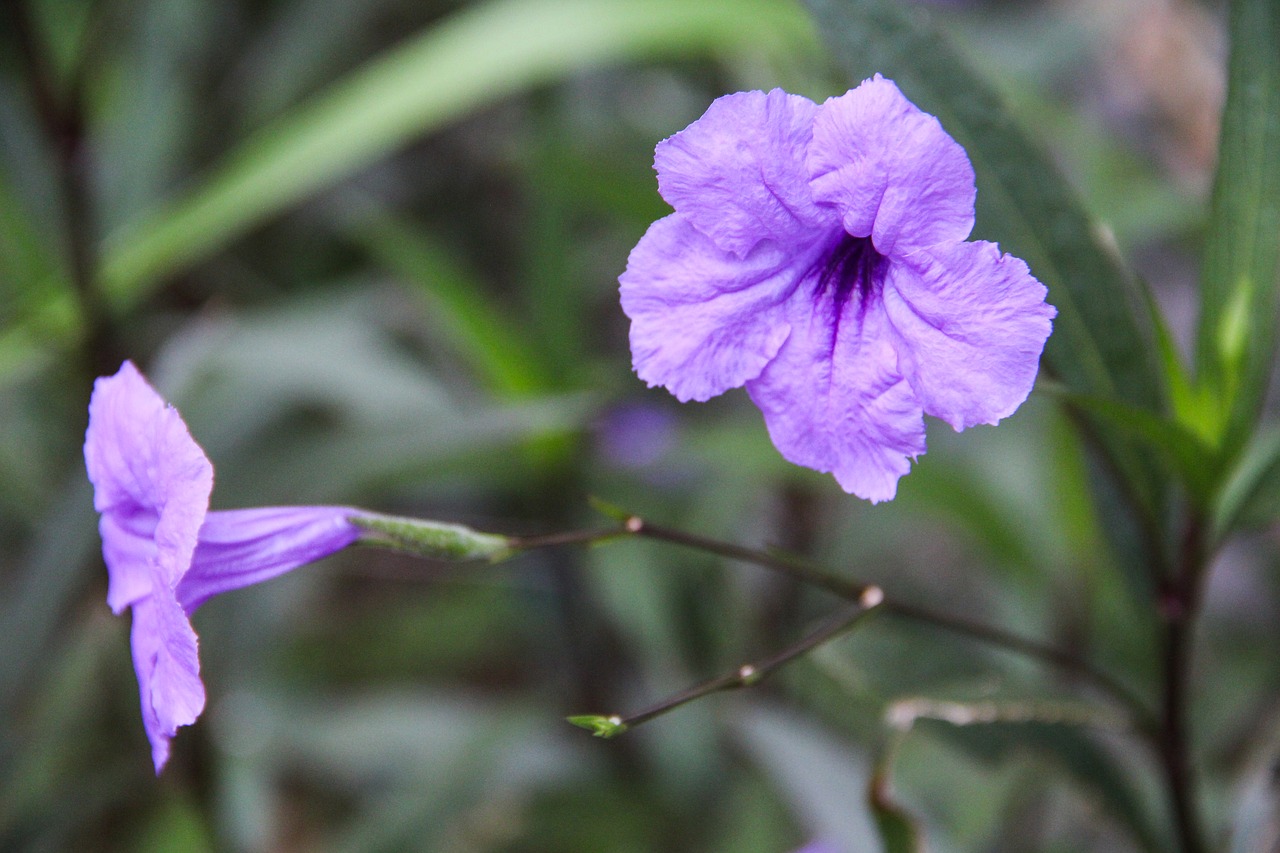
(852, 266)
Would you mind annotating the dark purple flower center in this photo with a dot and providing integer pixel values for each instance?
(851, 267)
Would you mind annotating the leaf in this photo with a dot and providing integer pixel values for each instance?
(479, 55)
(1102, 342)
(899, 832)
(1237, 332)
(1101, 339)
(1251, 493)
(993, 731)
(459, 309)
(1182, 451)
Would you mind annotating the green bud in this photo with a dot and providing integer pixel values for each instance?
(433, 539)
(605, 727)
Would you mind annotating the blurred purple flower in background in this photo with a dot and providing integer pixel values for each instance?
(166, 554)
(635, 435)
(818, 255)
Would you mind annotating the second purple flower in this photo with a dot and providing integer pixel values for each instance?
(819, 256)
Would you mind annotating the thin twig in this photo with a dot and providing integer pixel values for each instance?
(781, 563)
(751, 674)
(854, 591)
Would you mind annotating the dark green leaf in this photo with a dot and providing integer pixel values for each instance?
(483, 53)
(1101, 342)
(459, 310)
(1077, 755)
(898, 830)
(1251, 493)
(1236, 338)
(1189, 458)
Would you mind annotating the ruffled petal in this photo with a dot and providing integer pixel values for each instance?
(167, 662)
(702, 319)
(149, 476)
(890, 170)
(833, 398)
(242, 547)
(738, 174)
(969, 325)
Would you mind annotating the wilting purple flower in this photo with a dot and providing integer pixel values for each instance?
(166, 554)
(819, 255)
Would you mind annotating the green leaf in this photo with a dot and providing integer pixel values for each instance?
(994, 732)
(1251, 493)
(460, 311)
(481, 54)
(899, 832)
(1237, 332)
(1101, 343)
(1185, 454)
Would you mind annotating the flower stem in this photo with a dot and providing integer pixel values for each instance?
(748, 674)
(785, 564)
(1179, 604)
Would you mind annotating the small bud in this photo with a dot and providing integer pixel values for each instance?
(748, 674)
(871, 597)
(605, 727)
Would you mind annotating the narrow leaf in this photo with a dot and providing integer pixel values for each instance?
(899, 832)
(1251, 493)
(1182, 451)
(460, 312)
(1237, 333)
(483, 53)
(1101, 342)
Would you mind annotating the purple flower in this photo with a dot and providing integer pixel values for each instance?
(818, 255)
(166, 554)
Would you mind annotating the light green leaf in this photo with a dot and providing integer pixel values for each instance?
(1237, 333)
(481, 54)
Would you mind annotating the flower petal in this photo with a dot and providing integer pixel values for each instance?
(242, 547)
(702, 319)
(833, 398)
(890, 170)
(129, 550)
(738, 174)
(167, 662)
(969, 325)
(149, 476)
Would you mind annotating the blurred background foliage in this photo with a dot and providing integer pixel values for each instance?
(370, 249)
